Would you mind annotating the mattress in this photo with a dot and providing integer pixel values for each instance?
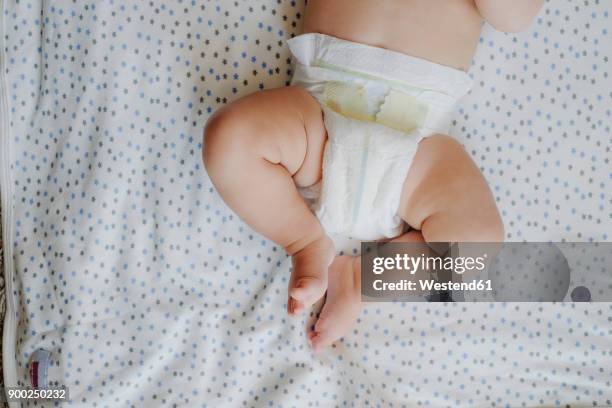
(125, 265)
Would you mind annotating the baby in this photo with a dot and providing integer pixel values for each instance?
(361, 133)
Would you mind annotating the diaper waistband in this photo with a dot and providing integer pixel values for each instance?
(317, 50)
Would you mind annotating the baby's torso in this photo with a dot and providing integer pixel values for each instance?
(442, 31)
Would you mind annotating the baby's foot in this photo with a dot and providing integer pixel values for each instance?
(309, 277)
(342, 303)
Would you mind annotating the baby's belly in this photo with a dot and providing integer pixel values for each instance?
(445, 32)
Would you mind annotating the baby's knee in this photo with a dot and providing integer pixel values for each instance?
(224, 140)
(469, 221)
(478, 212)
(487, 227)
(458, 205)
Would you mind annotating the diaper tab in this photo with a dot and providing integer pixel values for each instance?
(349, 100)
(386, 106)
(402, 112)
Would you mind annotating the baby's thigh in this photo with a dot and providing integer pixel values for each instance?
(282, 126)
(446, 196)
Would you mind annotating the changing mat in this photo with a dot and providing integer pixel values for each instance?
(124, 264)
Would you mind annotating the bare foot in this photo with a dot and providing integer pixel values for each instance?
(309, 277)
(342, 303)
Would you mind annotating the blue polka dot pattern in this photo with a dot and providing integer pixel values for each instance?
(538, 123)
(148, 291)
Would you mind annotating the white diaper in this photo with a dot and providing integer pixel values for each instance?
(378, 104)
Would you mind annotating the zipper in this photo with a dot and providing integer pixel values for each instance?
(6, 201)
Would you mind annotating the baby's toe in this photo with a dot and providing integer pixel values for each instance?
(321, 339)
(307, 290)
(294, 306)
(322, 323)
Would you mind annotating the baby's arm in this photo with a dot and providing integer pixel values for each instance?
(509, 16)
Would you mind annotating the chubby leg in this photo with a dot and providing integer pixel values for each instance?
(445, 198)
(256, 151)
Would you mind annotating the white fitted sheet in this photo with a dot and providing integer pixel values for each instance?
(149, 291)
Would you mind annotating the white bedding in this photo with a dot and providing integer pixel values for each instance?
(148, 291)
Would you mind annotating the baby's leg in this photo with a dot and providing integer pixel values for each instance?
(445, 198)
(256, 150)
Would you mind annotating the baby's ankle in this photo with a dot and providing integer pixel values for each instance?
(314, 236)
